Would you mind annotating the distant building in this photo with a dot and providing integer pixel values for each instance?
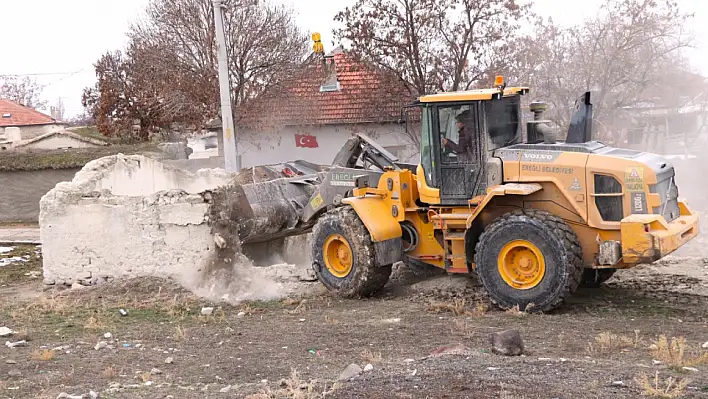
(312, 115)
(28, 122)
(59, 140)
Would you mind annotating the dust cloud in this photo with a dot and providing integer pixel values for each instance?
(238, 278)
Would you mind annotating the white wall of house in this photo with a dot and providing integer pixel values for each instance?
(30, 132)
(259, 148)
(57, 142)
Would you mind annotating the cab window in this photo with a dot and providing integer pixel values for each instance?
(427, 158)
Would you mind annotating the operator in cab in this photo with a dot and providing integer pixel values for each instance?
(463, 148)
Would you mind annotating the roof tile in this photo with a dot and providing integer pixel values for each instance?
(21, 115)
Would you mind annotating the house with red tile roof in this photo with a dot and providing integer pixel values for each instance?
(20, 123)
(312, 115)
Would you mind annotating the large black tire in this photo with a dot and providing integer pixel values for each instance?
(366, 276)
(559, 248)
(594, 278)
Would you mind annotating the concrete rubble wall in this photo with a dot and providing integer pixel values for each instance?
(127, 216)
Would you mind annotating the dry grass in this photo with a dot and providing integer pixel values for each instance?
(607, 343)
(109, 372)
(462, 328)
(457, 307)
(301, 306)
(95, 323)
(371, 357)
(180, 334)
(144, 377)
(517, 312)
(658, 388)
(674, 353)
(43, 355)
(295, 387)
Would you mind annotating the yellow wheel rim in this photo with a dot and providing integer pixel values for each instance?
(521, 264)
(338, 256)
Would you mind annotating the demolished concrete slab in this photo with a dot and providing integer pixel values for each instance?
(131, 216)
(126, 216)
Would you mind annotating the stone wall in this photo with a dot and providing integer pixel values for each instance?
(22, 190)
(126, 216)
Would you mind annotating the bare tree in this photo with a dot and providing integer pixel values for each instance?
(626, 55)
(168, 73)
(432, 45)
(22, 90)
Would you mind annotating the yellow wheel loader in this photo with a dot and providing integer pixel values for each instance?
(533, 218)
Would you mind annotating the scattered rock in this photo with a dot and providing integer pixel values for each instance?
(101, 345)
(492, 368)
(352, 371)
(225, 389)
(10, 361)
(155, 371)
(107, 335)
(220, 241)
(241, 314)
(369, 367)
(705, 345)
(169, 360)
(77, 286)
(207, 311)
(507, 343)
(93, 395)
(655, 362)
(123, 312)
(308, 275)
(14, 373)
(114, 385)
(618, 383)
(453, 349)
(16, 344)
(692, 369)
(5, 332)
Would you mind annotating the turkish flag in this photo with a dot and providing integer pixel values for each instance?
(306, 141)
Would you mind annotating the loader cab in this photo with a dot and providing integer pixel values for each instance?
(460, 131)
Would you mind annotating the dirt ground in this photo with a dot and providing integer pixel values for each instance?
(606, 343)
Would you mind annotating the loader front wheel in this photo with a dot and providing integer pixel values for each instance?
(530, 259)
(343, 255)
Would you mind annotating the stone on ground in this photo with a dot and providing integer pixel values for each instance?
(507, 343)
(352, 371)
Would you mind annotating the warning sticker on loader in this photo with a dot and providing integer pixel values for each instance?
(634, 179)
(576, 185)
(316, 202)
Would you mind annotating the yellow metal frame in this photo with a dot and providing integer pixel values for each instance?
(501, 190)
(647, 238)
(471, 95)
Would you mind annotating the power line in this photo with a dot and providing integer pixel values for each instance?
(43, 73)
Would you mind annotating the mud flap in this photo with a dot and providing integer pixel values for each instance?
(389, 252)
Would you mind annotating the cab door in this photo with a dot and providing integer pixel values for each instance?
(460, 166)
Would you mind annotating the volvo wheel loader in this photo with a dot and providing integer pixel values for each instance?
(532, 217)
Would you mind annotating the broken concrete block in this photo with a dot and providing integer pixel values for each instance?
(507, 343)
(352, 371)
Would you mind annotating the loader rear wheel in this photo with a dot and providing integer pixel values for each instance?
(343, 255)
(530, 259)
(594, 278)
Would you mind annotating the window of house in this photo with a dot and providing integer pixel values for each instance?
(608, 198)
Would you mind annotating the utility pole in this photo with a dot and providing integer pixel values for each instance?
(231, 157)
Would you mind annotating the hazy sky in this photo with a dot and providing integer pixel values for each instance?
(62, 39)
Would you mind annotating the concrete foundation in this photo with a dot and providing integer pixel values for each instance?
(124, 217)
